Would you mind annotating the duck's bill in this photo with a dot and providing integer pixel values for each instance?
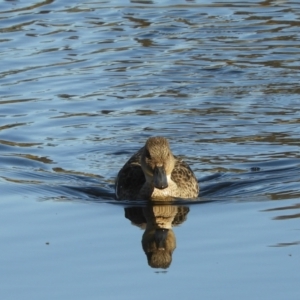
(160, 180)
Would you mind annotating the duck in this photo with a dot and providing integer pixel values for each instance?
(154, 173)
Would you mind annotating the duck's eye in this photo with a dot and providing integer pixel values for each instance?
(147, 154)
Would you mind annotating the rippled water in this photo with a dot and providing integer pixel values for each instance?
(83, 84)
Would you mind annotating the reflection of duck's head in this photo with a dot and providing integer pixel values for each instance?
(159, 239)
(158, 245)
(157, 162)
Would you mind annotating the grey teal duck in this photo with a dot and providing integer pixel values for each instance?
(154, 173)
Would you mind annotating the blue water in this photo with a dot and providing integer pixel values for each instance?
(84, 84)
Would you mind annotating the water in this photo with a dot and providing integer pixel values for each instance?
(82, 86)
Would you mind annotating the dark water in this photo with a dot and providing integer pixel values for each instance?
(83, 84)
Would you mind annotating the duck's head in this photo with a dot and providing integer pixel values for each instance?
(157, 162)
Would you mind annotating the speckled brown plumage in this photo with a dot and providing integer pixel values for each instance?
(145, 174)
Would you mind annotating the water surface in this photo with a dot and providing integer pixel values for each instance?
(83, 85)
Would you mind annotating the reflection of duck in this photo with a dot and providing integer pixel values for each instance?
(155, 173)
(158, 240)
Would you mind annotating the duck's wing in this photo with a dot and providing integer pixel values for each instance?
(185, 179)
(130, 178)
